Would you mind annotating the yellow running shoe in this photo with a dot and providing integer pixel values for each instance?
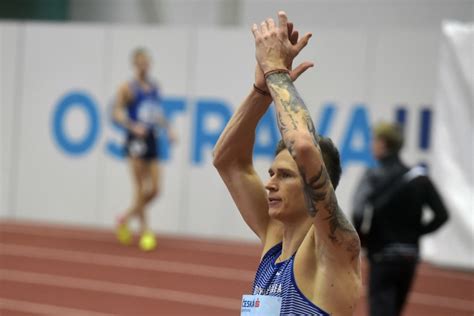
(124, 235)
(147, 241)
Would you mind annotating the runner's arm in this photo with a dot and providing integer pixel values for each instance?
(119, 113)
(234, 149)
(297, 129)
(300, 138)
(233, 160)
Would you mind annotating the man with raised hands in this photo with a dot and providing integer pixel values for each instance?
(310, 258)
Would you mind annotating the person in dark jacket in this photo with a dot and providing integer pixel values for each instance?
(388, 206)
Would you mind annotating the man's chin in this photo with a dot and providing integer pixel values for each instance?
(275, 212)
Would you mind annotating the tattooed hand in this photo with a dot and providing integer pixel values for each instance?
(294, 73)
(274, 48)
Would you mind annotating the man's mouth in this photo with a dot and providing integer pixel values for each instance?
(273, 201)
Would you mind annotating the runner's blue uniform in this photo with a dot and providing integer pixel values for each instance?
(144, 108)
(278, 279)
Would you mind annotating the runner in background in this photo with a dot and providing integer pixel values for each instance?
(139, 111)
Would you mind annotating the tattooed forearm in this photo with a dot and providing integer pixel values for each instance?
(293, 111)
(311, 128)
(294, 121)
(283, 82)
(281, 125)
(291, 117)
(292, 114)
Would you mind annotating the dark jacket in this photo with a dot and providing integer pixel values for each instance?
(396, 195)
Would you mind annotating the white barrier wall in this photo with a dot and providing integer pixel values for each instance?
(50, 184)
(9, 78)
(360, 76)
(454, 144)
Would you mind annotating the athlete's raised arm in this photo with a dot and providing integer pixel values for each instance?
(234, 149)
(273, 49)
(233, 160)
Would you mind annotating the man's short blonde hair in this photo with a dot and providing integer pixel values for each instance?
(391, 134)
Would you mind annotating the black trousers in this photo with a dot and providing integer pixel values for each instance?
(389, 284)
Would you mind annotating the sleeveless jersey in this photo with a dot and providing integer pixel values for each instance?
(145, 106)
(278, 279)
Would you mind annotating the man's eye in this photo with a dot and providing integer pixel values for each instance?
(285, 175)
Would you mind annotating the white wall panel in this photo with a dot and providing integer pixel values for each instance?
(51, 184)
(404, 75)
(224, 62)
(10, 79)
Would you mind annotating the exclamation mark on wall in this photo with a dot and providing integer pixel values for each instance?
(401, 117)
(425, 129)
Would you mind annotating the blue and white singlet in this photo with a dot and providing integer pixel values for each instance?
(278, 279)
(145, 105)
(145, 109)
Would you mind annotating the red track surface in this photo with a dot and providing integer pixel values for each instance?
(57, 270)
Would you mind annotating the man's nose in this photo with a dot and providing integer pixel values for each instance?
(271, 185)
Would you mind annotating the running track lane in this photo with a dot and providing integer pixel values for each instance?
(58, 270)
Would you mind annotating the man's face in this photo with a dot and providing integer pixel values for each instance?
(142, 63)
(379, 148)
(285, 189)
